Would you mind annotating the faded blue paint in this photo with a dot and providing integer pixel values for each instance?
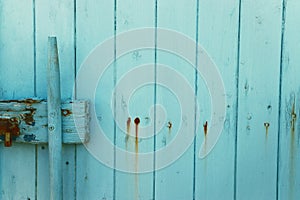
(54, 121)
(255, 44)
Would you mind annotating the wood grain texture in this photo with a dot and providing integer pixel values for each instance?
(54, 121)
(253, 43)
(34, 121)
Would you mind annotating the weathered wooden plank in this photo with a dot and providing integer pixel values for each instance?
(54, 121)
(176, 180)
(16, 81)
(130, 184)
(289, 141)
(54, 17)
(259, 74)
(94, 24)
(34, 121)
(218, 35)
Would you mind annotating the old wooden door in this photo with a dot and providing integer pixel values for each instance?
(255, 46)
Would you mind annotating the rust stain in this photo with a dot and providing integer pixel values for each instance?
(66, 112)
(128, 125)
(267, 124)
(292, 150)
(128, 131)
(28, 117)
(136, 121)
(170, 126)
(205, 127)
(9, 130)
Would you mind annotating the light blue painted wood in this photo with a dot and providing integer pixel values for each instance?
(175, 181)
(94, 24)
(259, 66)
(33, 120)
(16, 81)
(54, 121)
(258, 97)
(55, 18)
(218, 35)
(289, 157)
(133, 14)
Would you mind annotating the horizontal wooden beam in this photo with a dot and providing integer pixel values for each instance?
(33, 117)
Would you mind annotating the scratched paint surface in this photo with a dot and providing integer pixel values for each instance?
(255, 45)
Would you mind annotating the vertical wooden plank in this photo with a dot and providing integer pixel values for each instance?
(176, 180)
(55, 18)
(258, 99)
(54, 121)
(16, 81)
(218, 35)
(134, 14)
(94, 24)
(289, 141)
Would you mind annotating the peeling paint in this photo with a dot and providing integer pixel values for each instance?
(29, 138)
(26, 101)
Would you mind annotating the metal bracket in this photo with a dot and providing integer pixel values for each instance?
(9, 129)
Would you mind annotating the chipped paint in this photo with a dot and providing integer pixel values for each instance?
(29, 138)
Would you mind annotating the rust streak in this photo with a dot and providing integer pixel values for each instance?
(170, 126)
(267, 124)
(128, 125)
(128, 131)
(205, 127)
(136, 121)
(292, 151)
